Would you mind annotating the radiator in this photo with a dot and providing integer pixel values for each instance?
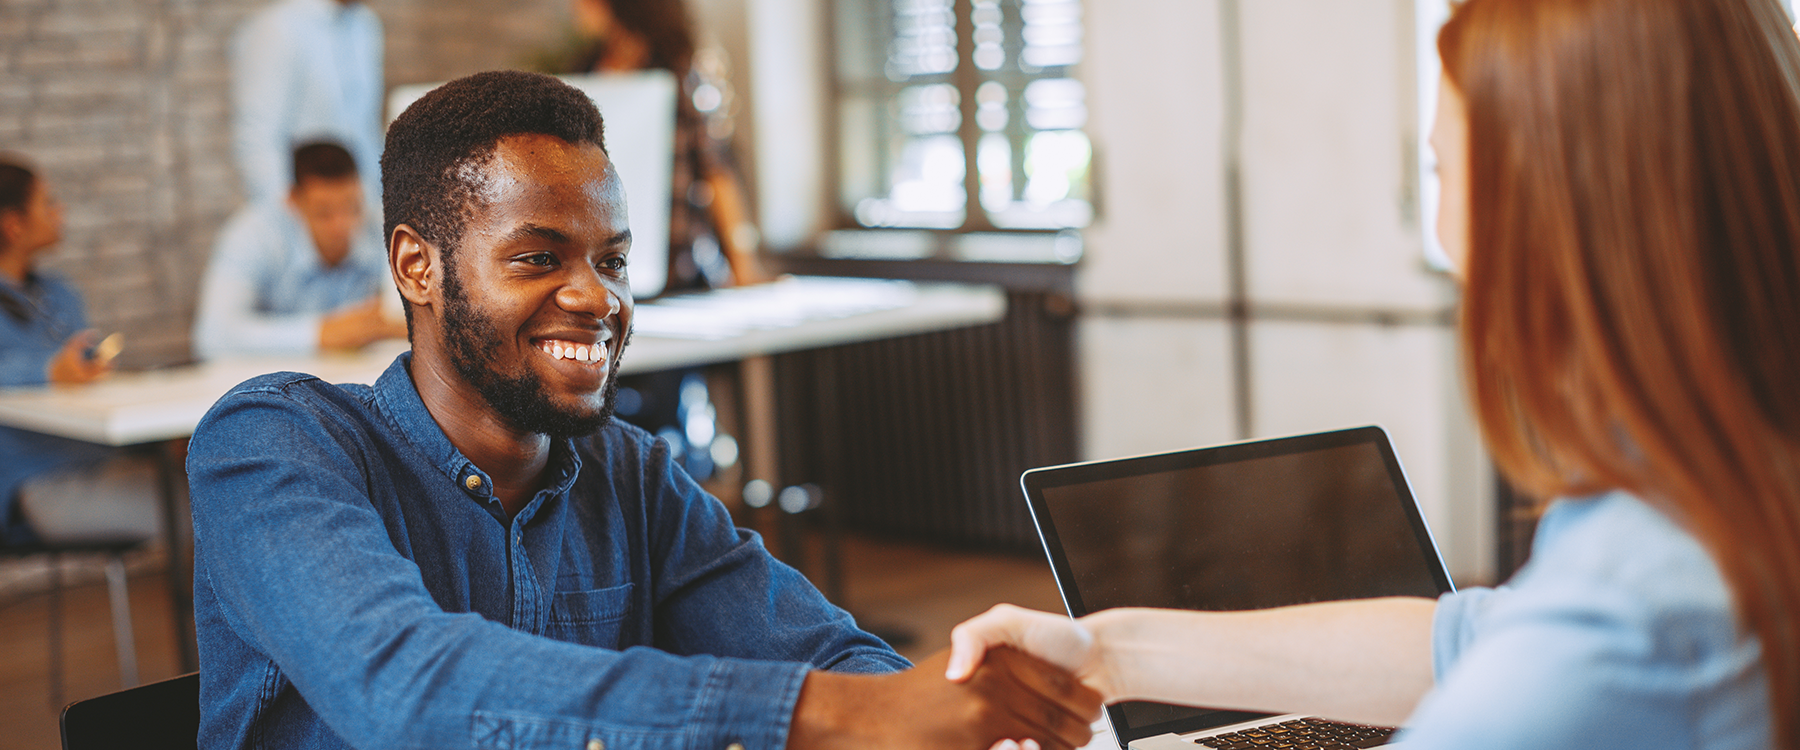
(924, 437)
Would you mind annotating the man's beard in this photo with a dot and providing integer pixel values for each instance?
(519, 399)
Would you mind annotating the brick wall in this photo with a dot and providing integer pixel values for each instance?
(124, 105)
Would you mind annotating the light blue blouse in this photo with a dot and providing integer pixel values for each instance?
(1620, 633)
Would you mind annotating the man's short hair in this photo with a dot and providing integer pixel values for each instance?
(325, 160)
(429, 169)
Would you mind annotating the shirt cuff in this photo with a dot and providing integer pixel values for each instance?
(747, 705)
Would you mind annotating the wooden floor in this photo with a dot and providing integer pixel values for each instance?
(893, 588)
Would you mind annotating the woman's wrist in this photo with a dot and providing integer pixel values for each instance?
(1109, 668)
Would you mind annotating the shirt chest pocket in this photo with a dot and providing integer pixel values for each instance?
(590, 618)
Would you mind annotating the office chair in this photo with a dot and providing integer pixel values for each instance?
(158, 716)
(117, 593)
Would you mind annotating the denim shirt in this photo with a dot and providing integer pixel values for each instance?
(266, 289)
(51, 313)
(1620, 633)
(357, 584)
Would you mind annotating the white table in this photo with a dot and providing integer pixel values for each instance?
(741, 324)
(721, 326)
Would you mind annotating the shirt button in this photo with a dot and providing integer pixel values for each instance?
(596, 745)
(474, 483)
(735, 746)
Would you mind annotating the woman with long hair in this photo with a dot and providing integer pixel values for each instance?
(1621, 189)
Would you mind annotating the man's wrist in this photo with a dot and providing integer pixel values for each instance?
(819, 715)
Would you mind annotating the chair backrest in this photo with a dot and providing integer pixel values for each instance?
(158, 716)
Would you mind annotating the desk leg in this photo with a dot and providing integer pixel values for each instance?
(181, 598)
(830, 466)
(762, 457)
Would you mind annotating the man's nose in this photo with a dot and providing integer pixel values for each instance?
(587, 293)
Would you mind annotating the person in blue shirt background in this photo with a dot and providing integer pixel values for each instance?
(474, 553)
(299, 275)
(52, 488)
(1621, 197)
(306, 70)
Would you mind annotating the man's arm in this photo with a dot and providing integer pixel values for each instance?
(717, 590)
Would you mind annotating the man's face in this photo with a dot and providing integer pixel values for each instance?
(332, 210)
(537, 305)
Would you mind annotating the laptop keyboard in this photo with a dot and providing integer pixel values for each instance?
(1301, 734)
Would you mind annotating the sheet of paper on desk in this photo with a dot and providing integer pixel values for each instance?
(735, 311)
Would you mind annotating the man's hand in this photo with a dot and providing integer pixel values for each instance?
(72, 366)
(1010, 696)
(355, 327)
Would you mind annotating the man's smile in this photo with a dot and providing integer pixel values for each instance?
(593, 353)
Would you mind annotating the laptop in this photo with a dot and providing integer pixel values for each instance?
(1250, 525)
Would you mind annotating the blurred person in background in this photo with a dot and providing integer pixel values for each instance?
(712, 241)
(53, 489)
(300, 275)
(1621, 191)
(306, 70)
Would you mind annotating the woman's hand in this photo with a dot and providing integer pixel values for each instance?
(1053, 638)
(73, 366)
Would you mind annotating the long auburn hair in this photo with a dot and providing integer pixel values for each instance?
(1631, 316)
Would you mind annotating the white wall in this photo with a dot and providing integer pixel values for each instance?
(1330, 236)
(1330, 230)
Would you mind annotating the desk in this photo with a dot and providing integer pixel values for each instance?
(741, 324)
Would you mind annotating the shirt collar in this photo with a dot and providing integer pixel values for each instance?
(399, 403)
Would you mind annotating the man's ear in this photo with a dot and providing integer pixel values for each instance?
(414, 263)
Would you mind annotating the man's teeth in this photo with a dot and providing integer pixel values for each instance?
(577, 352)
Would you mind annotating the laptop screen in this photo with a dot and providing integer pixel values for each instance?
(1243, 526)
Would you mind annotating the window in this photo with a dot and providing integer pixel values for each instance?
(961, 115)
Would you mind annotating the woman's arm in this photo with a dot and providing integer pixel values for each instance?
(1365, 660)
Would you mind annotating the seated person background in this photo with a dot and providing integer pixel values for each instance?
(53, 489)
(298, 275)
(473, 552)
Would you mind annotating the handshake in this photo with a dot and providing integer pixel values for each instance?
(1012, 679)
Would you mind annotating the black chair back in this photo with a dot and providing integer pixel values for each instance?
(158, 716)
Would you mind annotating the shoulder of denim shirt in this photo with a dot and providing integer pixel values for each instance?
(295, 386)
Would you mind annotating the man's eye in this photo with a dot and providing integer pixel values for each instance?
(541, 259)
(613, 264)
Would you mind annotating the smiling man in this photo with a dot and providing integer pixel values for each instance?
(472, 553)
